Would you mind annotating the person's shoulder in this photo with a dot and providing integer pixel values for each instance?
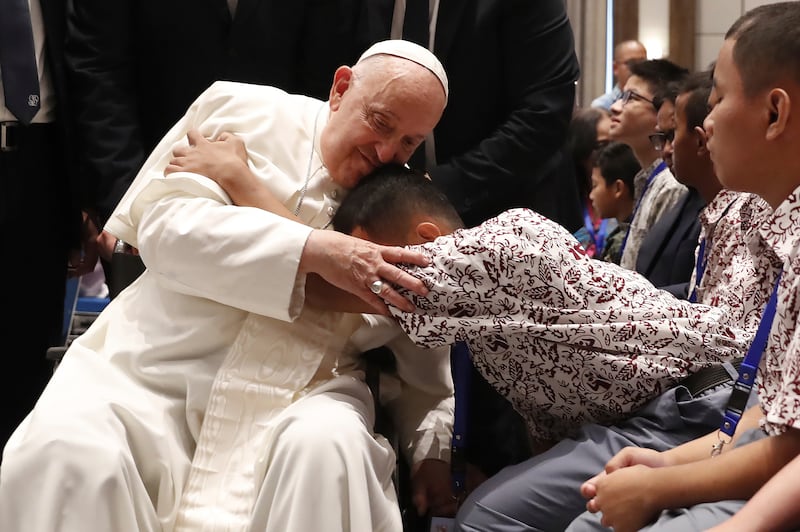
(238, 87)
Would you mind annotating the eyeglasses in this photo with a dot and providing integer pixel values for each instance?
(659, 139)
(628, 94)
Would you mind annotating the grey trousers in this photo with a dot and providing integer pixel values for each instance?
(543, 493)
(693, 519)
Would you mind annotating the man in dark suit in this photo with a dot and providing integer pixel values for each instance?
(137, 66)
(512, 69)
(500, 143)
(666, 257)
(667, 254)
(39, 221)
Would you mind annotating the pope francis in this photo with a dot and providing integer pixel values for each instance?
(125, 438)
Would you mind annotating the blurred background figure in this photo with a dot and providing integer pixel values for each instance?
(624, 53)
(588, 133)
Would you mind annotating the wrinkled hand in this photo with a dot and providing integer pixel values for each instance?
(84, 260)
(219, 159)
(353, 264)
(431, 489)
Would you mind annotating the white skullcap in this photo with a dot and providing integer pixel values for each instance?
(413, 52)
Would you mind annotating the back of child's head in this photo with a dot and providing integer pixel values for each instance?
(697, 88)
(767, 45)
(617, 161)
(658, 74)
(385, 202)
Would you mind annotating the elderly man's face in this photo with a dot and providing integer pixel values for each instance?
(378, 116)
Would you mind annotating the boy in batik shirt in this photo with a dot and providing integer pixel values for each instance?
(753, 138)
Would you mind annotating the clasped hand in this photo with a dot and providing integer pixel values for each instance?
(626, 492)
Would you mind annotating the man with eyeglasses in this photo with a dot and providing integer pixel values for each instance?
(666, 256)
(633, 119)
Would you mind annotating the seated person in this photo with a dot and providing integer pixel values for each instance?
(625, 54)
(126, 436)
(773, 507)
(587, 134)
(566, 339)
(612, 193)
(633, 120)
(667, 252)
(752, 131)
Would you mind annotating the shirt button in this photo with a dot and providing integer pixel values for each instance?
(334, 194)
(331, 211)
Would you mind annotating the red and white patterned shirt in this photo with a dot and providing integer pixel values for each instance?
(740, 271)
(779, 371)
(652, 201)
(567, 339)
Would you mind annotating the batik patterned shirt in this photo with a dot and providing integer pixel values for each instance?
(652, 201)
(566, 338)
(779, 371)
(739, 269)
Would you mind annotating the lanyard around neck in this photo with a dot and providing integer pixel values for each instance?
(598, 236)
(702, 260)
(657, 170)
(747, 372)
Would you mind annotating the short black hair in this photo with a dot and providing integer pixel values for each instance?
(697, 87)
(658, 74)
(617, 161)
(384, 202)
(767, 45)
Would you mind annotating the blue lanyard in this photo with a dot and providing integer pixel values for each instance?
(599, 236)
(700, 267)
(462, 365)
(747, 372)
(657, 170)
(702, 260)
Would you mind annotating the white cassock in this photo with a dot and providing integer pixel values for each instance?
(110, 444)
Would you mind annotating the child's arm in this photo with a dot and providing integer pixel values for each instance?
(224, 160)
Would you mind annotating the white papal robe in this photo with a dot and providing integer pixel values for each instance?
(110, 443)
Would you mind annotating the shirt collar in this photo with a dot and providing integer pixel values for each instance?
(781, 231)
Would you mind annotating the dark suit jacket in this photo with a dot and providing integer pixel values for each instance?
(667, 254)
(40, 220)
(137, 65)
(512, 68)
(65, 187)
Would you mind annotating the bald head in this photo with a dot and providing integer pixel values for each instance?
(623, 52)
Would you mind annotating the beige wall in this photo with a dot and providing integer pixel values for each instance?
(588, 17)
(714, 17)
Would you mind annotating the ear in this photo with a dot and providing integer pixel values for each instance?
(428, 231)
(779, 105)
(701, 139)
(342, 79)
(617, 188)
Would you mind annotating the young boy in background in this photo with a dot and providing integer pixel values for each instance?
(612, 193)
(753, 133)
